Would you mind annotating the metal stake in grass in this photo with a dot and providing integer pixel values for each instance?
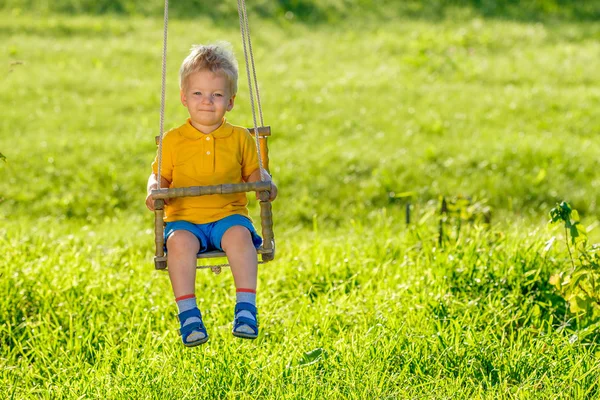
(443, 217)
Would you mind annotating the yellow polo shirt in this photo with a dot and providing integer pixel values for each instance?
(193, 158)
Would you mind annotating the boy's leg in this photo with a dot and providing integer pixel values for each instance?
(238, 245)
(241, 253)
(183, 246)
(236, 236)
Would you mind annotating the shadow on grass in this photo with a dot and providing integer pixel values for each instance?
(313, 12)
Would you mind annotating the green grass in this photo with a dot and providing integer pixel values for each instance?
(325, 11)
(357, 304)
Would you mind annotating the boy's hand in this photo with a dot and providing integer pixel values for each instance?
(150, 202)
(255, 177)
(153, 184)
(272, 192)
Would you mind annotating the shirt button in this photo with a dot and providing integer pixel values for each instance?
(208, 152)
(207, 138)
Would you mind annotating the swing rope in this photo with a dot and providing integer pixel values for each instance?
(262, 123)
(162, 92)
(249, 61)
(245, 32)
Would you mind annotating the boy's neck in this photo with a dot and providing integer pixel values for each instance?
(206, 129)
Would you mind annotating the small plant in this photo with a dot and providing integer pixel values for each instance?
(579, 284)
(458, 210)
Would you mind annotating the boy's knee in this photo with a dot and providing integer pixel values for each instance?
(182, 240)
(235, 235)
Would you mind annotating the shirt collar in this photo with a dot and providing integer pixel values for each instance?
(224, 130)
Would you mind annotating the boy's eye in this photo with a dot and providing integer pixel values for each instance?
(218, 95)
(197, 93)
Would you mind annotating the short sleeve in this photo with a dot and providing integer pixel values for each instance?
(166, 167)
(249, 155)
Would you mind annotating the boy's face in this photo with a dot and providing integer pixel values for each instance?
(207, 97)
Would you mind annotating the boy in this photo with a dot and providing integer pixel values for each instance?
(207, 150)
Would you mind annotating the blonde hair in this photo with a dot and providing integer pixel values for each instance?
(217, 58)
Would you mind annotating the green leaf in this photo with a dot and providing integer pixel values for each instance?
(574, 233)
(565, 207)
(312, 357)
(555, 281)
(582, 230)
(2, 157)
(562, 212)
(577, 277)
(579, 304)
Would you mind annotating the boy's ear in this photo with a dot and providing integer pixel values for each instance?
(231, 103)
(182, 97)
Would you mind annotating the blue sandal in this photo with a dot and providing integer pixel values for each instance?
(190, 332)
(240, 321)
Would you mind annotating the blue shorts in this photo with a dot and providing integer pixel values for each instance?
(209, 235)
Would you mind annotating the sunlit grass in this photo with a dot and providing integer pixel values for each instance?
(357, 304)
(357, 112)
(382, 312)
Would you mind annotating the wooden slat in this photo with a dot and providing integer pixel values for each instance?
(217, 254)
(262, 130)
(211, 254)
(266, 221)
(161, 262)
(264, 153)
(207, 190)
(159, 240)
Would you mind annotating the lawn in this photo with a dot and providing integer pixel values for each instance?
(358, 304)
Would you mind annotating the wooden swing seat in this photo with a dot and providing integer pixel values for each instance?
(266, 251)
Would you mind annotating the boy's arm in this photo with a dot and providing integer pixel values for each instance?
(153, 184)
(255, 177)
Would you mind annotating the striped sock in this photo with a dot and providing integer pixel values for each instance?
(245, 296)
(184, 303)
